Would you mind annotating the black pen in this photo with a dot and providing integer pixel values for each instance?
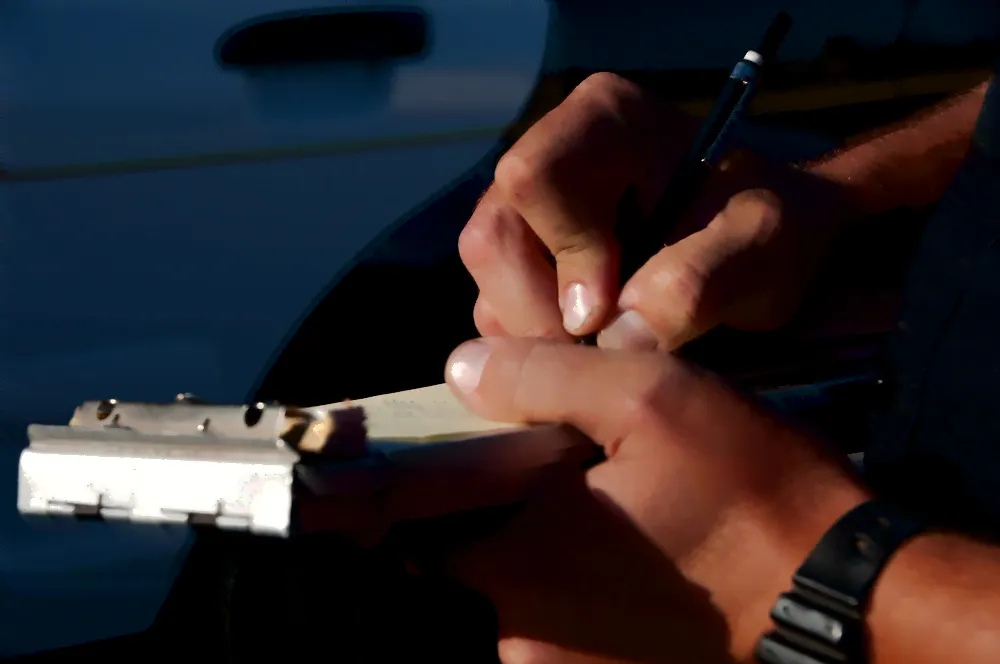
(641, 239)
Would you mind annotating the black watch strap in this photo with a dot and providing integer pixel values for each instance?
(821, 619)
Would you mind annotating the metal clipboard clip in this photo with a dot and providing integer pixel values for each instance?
(252, 468)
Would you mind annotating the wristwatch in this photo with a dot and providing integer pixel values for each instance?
(821, 619)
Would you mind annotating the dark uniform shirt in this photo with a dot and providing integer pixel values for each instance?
(938, 447)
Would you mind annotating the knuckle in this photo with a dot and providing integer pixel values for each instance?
(655, 389)
(606, 88)
(548, 329)
(474, 242)
(755, 201)
(575, 243)
(519, 177)
(740, 161)
(518, 650)
(682, 289)
(481, 240)
(687, 300)
(758, 211)
(484, 318)
(643, 405)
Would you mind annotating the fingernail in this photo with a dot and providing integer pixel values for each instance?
(465, 366)
(577, 305)
(628, 332)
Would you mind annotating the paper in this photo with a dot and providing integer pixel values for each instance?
(423, 414)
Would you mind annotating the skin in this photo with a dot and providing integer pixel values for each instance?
(540, 244)
(675, 548)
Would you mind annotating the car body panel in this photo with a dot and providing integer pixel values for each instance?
(165, 224)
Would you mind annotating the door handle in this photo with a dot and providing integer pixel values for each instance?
(352, 36)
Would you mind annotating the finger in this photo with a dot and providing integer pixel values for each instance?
(602, 394)
(681, 293)
(736, 174)
(670, 301)
(507, 262)
(486, 321)
(566, 176)
(520, 650)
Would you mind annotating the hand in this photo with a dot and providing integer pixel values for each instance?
(675, 548)
(743, 257)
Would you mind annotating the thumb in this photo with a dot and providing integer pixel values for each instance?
(600, 393)
(680, 294)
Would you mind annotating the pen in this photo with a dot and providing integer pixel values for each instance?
(641, 239)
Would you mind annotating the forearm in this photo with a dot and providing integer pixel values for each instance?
(909, 164)
(938, 600)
